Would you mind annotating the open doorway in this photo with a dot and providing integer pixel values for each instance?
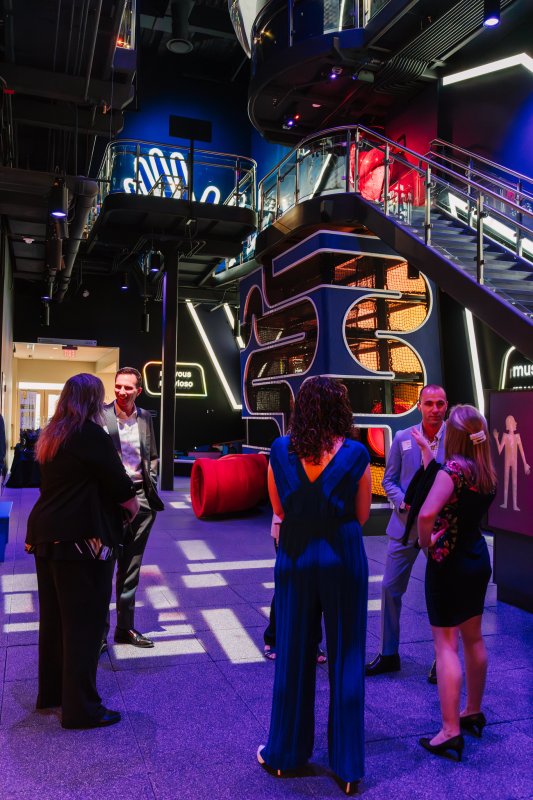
(39, 374)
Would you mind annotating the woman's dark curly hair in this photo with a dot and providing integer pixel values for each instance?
(322, 412)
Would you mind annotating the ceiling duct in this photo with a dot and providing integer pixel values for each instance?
(84, 191)
(180, 42)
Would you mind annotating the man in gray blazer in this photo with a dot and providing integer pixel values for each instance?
(132, 432)
(403, 461)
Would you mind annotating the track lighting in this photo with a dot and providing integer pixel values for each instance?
(58, 199)
(145, 319)
(333, 73)
(290, 122)
(491, 13)
(156, 261)
(48, 291)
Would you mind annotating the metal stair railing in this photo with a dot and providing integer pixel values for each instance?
(175, 172)
(401, 181)
(484, 171)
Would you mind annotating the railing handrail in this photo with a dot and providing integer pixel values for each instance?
(396, 146)
(486, 161)
(501, 182)
(136, 142)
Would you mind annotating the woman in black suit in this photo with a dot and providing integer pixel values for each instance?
(74, 531)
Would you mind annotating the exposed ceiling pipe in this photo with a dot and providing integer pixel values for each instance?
(56, 39)
(235, 273)
(84, 192)
(180, 41)
(78, 63)
(91, 51)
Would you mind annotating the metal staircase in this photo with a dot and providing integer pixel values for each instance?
(464, 221)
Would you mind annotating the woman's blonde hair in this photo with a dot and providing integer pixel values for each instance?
(465, 443)
(82, 398)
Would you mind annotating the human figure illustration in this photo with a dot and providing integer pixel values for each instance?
(512, 443)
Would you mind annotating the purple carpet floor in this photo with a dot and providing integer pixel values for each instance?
(196, 706)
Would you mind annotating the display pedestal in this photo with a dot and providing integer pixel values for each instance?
(513, 557)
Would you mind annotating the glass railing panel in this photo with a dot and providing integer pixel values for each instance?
(373, 7)
(288, 175)
(501, 222)
(268, 204)
(152, 169)
(323, 166)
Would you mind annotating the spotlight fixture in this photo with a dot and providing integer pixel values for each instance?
(334, 73)
(491, 13)
(290, 122)
(124, 283)
(48, 291)
(145, 319)
(58, 199)
(156, 261)
(364, 75)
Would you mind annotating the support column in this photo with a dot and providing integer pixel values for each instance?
(169, 357)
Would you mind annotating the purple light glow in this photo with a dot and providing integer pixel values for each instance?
(58, 214)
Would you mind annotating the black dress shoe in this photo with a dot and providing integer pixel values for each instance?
(383, 664)
(103, 647)
(132, 637)
(105, 719)
(432, 675)
(454, 745)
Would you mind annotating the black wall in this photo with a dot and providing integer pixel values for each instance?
(113, 318)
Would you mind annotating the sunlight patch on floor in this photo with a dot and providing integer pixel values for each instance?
(220, 566)
(231, 636)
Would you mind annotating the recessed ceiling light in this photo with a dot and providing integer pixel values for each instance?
(316, 105)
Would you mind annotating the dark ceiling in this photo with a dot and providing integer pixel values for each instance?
(65, 91)
(405, 48)
(66, 88)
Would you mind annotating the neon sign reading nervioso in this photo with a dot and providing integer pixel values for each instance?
(171, 175)
(190, 379)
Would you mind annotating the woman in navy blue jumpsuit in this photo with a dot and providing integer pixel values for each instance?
(319, 483)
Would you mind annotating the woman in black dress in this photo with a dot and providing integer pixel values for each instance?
(458, 571)
(73, 532)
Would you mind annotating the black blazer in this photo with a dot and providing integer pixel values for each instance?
(149, 457)
(81, 489)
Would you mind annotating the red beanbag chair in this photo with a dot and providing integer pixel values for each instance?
(231, 483)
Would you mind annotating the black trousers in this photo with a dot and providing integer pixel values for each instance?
(129, 563)
(73, 604)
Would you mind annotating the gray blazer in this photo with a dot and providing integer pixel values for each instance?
(404, 460)
(149, 457)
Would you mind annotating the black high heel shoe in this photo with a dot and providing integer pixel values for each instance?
(455, 744)
(474, 723)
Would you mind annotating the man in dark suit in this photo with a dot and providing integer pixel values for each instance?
(132, 432)
(403, 462)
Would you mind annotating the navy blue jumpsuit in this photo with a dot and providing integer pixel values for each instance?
(321, 567)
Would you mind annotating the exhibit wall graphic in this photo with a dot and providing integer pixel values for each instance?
(344, 305)
(511, 429)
